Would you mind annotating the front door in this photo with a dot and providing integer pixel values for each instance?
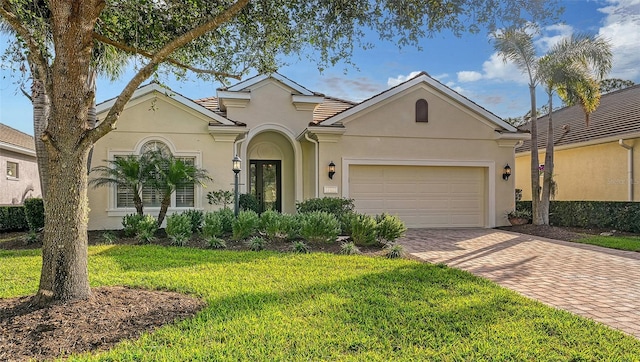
(265, 184)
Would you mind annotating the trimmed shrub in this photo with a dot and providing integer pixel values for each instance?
(363, 230)
(622, 216)
(245, 225)
(389, 228)
(146, 229)
(32, 237)
(320, 226)
(212, 226)
(291, 226)
(130, 224)
(345, 222)
(12, 218)
(179, 229)
(270, 224)
(227, 218)
(333, 205)
(248, 202)
(196, 218)
(34, 213)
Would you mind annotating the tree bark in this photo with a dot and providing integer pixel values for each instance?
(41, 108)
(548, 167)
(164, 206)
(535, 161)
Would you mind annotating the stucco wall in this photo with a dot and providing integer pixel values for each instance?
(595, 172)
(453, 135)
(12, 189)
(156, 117)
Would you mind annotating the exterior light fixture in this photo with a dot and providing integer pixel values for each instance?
(507, 172)
(332, 169)
(237, 163)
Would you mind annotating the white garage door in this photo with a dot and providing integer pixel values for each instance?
(422, 196)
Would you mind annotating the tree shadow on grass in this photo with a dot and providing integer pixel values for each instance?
(410, 311)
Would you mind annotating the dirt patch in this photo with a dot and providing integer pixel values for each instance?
(109, 316)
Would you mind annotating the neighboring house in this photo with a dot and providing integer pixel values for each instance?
(596, 162)
(418, 150)
(19, 178)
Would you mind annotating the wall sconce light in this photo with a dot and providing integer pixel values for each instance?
(332, 169)
(506, 173)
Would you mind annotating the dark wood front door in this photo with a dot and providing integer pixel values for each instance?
(265, 184)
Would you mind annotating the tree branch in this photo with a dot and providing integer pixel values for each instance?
(35, 55)
(130, 49)
(91, 136)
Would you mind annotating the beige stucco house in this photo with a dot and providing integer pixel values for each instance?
(418, 150)
(19, 167)
(597, 162)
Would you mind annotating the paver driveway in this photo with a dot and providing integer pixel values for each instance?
(598, 283)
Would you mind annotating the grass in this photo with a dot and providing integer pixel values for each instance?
(285, 307)
(629, 243)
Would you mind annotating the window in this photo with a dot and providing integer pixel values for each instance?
(12, 169)
(422, 111)
(184, 195)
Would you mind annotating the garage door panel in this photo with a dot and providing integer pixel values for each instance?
(422, 196)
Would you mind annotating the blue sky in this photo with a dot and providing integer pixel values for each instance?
(467, 64)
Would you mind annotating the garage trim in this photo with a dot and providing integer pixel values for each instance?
(489, 165)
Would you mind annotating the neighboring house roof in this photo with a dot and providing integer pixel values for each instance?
(420, 78)
(618, 116)
(11, 138)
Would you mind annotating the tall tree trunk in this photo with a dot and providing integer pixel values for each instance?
(41, 108)
(548, 166)
(535, 161)
(65, 274)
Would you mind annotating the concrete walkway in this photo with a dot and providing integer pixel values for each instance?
(598, 283)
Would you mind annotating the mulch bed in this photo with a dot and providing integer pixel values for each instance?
(560, 233)
(109, 316)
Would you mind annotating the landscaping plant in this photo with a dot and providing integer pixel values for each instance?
(291, 226)
(389, 228)
(270, 224)
(221, 197)
(300, 247)
(216, 243)
(130, 224)
(320, 226)
(212, 225)
(245, 225)
(146, 229)
(363, 230)
(179, 229)
(349, 248)
(394, 251)
(256, 243)
(109, 237)
(196, 218)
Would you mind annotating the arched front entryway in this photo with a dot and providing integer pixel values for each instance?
(271, 170)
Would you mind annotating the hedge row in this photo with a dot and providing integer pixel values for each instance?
(12, 219)
(623, 216)
(20, 218)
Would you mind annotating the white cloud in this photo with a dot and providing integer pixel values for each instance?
(552, 35)
(469, 76)
(621, 27)
(441, 77)
(392, 82)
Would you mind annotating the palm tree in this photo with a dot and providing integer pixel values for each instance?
(572, 68)
(129, 172)
(169, 174)
(516, 45)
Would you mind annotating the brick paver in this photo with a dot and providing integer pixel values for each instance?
(598, 283)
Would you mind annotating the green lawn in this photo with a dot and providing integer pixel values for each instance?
(265, 306)
(629, 243)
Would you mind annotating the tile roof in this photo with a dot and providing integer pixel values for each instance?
(16, 138)
(618, 115)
